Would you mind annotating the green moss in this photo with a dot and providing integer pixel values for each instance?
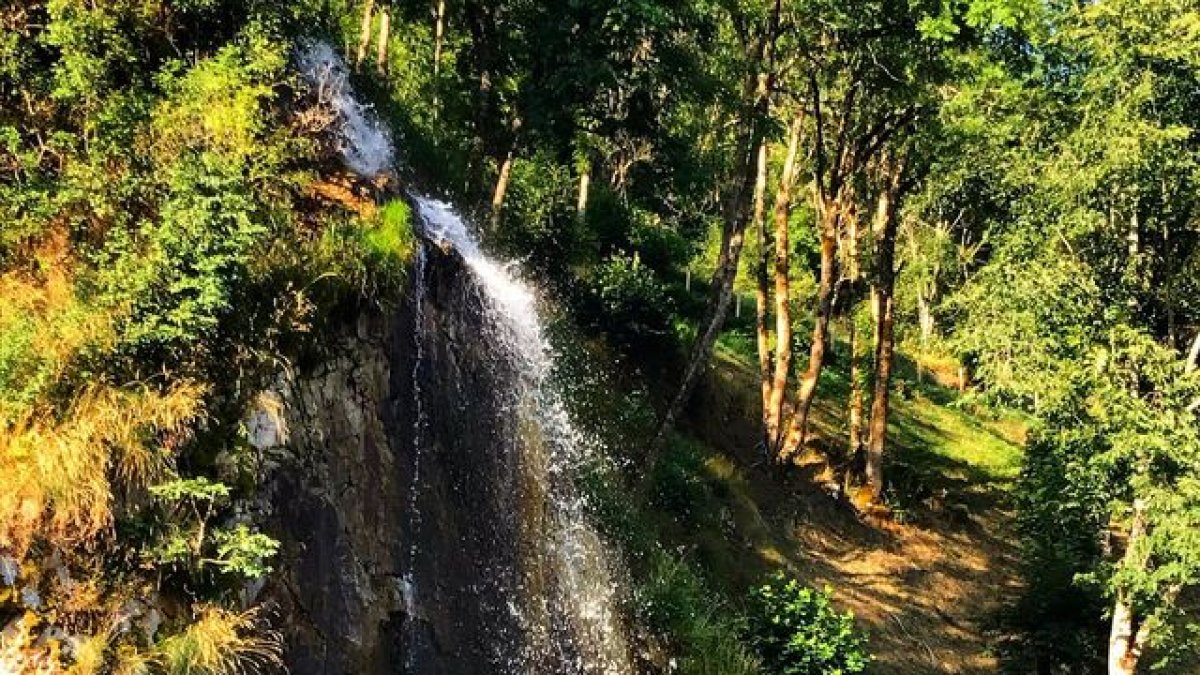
(390, 239)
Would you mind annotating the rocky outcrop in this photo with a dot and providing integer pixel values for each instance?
(341, 442)
(334, 489)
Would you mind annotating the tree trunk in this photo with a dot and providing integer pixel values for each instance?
(381, 53)
(783, 307)
(798, 429)
(883, 292)
(501, 190)
(925, 318)
(439, 37)
(364, 38)
(1127, 638)
(756, 93)
(857, 383)
(762, 297)
(1194, 355)
(884, 358)
(585, 181)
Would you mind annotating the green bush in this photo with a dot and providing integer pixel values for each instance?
(626, 299)
(797, 631)
(367, 258)
(391, 242)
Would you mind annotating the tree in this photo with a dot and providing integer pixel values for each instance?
(759, 36)
(892, 185)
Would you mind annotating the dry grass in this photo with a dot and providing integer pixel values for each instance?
(220, 642)
(44, 327)
(61, 475)
(217, 642)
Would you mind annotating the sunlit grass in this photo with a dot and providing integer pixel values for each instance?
(58, 472)
(220, 642)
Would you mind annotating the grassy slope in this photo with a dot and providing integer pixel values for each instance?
(927, 590)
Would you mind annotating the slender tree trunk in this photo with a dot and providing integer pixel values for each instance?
(884, 360)
(762, 297)
(439, 37)
(1194, 355)
(884, 294)
(381, 53)
(925, 318)
(364, 38)
(783, 307)
(585, 181)
(857, 383)
(501, 191)
(798, 429)
(756, 93)
(1127, 636)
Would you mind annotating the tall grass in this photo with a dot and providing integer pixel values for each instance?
(220, 642)
(60, 473)
(44, 327)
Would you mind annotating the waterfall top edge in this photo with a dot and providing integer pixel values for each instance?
(364, 142)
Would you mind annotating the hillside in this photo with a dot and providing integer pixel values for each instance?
(930, 586)
(600, 337)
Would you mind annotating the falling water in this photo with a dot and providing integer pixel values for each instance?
(408, 583)
(570, 617)
(548, 595)
(363, 141)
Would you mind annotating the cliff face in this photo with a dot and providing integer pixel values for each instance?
(343, 441)
(335, 488)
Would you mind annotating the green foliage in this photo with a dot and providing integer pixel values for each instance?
(179, 275)
(191, 489)
(626, 297)
(390, 243)
(675, 601)
(190, 540)
(244, 552)
(797, 631)
(367, 257)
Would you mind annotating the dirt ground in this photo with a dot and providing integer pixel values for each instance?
(928, 591)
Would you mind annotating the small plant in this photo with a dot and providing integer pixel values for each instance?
(797, 631)
(220, 642)
(391, 241)
(191, 540)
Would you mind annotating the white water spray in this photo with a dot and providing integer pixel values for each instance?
(364, 142)
(581, 588)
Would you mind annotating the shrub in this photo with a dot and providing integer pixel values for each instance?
(797, 631)
(391, 242)
(627, 299)
(367, 258)
(178, 274)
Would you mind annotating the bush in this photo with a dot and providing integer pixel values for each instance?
(797, 631)
(626, 299)
(368, 256)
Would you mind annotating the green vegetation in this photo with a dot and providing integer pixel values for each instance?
(843, 256)
(161, 255)
(798, 632)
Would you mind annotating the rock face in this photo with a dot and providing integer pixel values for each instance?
(335, 487)
(366, 494)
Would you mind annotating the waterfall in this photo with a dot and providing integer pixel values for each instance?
(504, 571)
(365, 144)
(568, 611)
